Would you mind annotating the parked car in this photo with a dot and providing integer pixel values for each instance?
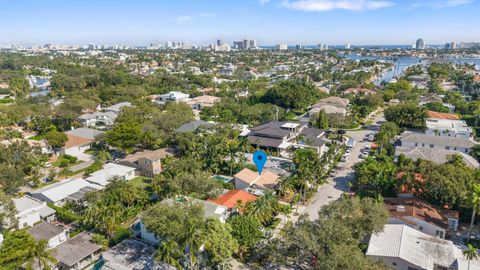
(363, 155)
(342, 131)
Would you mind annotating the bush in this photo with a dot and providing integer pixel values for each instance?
(73, 160)
(64, 163)
(120, 235)
(65, 215)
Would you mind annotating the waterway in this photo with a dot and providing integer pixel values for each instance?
(402, 63)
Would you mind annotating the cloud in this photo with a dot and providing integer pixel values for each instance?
(264, 1)
(326, 5)
(184, 19)
(441, 3)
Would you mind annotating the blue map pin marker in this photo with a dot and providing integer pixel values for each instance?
(259, 158)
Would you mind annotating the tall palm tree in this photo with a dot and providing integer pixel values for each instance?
(168, 252)
(39, 257)
(471, 253)
(264, 207)
(474, 202)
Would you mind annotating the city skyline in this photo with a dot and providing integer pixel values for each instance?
(270, 22)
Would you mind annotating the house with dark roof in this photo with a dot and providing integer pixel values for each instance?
(77, 252)
(421, 216)
(284, 137)
(54, 235)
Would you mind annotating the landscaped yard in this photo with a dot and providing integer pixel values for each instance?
(140, 181)
(64, 160)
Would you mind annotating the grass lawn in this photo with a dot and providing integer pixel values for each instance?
(61, 159)
(36, 137)
(140, 181)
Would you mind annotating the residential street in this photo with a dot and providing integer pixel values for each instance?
(334, 188)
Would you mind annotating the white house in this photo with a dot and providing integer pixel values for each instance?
(448, 127)
(66, 190)
(31, 211)
(174, 96)
(403, 248)
(54, 235)
(415, 139)
(103, 176)
(106, 117)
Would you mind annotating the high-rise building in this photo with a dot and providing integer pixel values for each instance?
(298, 47)
(451, 46)
(245, 44)
(253, 44)
(281, 47)
(420, 44)
(220, 42)
(347, 46)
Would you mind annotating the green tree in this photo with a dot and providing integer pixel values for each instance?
(471, 254)
(219, 243)
(15, 249)
(40, 257)
(246, 230)
(169, 252)
(7, 215)
(264, 208)
(321, 121)
(407, 115)
(56, 139)
(474, 202)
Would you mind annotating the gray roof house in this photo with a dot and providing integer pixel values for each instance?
(193, 126)
(52, 234)
(117, 107)
(106, 117)
(330, 105)
(435, 155)
(415, 139)
(77, 252)
(132, 254)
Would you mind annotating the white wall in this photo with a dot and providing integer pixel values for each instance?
(395, 263)
(28, 219)
(57, 240)
(427, 228)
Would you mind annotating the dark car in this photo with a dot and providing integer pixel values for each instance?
(342, 131)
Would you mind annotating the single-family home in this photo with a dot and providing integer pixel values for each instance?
(109, 171)
(285, 136)
(234, 197)
(205, 101)
(193, 126)
(401, 247)
(132, 254)
(54, 235)
(173, 96)
(448, 127)
(79, 140)
(67, 190)
(330, 105)
(105, 117)
(255, 183)
(31, 211)
(77, 252)
(148, 162)
(435, 155)
(416, 139)
(421, 216)
(356, 91)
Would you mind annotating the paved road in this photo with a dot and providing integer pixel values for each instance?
(334, 188)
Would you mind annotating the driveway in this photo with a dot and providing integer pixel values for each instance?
(335, 187)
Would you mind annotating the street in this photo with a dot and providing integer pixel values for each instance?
(335, 187)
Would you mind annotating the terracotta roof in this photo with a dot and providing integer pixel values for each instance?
(439, 115)
(233, 197)
(420, 210)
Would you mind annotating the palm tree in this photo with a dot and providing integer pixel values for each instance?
(264, 207)
(39, 256)
(168, 252)
(471, 253)
(474, 202)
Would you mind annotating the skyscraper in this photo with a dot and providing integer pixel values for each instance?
(420, 44)
(220, 42)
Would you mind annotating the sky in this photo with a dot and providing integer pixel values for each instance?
(201, 22)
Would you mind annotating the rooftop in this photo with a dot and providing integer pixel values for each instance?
(117, 107)
(439, 115)
(61, 190)
(333, 101)
(435, 155)
(421, 210)
(417, 248)
(233, 197)
(44, 231)
(415, 137)
(193, 126)
(266, 180)
(103, 176)
(86, 133)
(150, 154)
(75, 249)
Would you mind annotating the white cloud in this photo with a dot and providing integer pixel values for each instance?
(441, 3)
(326, 5)
(264, 1)
(184, 19)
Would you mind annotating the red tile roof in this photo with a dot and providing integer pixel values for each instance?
(439, 115)
(231, 198)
